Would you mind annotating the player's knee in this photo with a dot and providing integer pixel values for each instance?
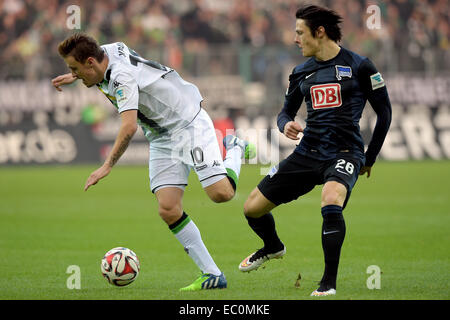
(251, 209)
(170, 212)
(248, 209)
(332, 197)
(333, 193)
(222, 195)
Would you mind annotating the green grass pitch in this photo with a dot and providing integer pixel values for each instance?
(398, 220)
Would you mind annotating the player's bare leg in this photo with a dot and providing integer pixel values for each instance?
(170, 204)
(257, 205)
(184, 229)
(333, 234)
(224, 189)
(257, 212)
(333, 193)
(221, 191)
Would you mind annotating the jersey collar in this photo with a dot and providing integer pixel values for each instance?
(107, 75)
(329, 60)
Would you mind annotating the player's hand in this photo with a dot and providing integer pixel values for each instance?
(292, 129)
(67, 78)
(95, 176)
(365, 170)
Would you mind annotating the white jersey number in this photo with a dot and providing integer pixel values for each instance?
(135, 58)
(347, 166)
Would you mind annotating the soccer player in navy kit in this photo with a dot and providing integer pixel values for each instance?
(335, 84)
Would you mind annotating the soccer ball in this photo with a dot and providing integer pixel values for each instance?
(120, 266)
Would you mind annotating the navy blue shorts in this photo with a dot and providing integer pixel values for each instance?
(298, 175)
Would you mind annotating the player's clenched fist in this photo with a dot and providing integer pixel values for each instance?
(67, 78)
(292, 129)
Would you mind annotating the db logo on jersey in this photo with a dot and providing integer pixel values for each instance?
(326, 96)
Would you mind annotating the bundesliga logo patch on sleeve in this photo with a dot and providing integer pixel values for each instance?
(121, 96)
(377, 81)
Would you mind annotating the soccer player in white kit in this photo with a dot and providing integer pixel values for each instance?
(181, 135)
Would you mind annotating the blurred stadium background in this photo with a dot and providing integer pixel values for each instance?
(238, 52)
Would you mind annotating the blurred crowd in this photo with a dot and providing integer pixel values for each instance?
(413, 35)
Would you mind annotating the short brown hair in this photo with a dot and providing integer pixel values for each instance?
(81, 46)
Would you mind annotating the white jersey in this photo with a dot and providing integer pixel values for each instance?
(165, 102)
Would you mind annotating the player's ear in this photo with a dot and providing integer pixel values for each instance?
(90, 61)
(320, 32)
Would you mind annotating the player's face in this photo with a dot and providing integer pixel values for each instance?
(304, 39)
(84, 71)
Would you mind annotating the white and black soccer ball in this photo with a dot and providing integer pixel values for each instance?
(120, 266)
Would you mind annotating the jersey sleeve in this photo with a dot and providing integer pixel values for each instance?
(292, 102)
(374, 88)
(126, 92)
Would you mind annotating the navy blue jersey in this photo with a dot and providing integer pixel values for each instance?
(335, 93)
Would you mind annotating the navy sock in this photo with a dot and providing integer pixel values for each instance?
(264, 227)
(333, 234)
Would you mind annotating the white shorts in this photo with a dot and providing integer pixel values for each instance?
(194, 147)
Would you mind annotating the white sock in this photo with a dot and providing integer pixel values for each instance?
(233, 162)
(189, 236)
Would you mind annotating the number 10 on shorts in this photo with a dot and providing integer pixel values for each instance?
(344, 165)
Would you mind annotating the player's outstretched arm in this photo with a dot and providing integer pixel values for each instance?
(127, 130)
(67, 78)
